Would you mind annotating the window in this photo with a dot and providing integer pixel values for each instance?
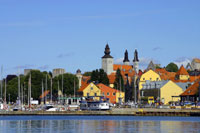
(88, 94)
(113, 93)
(143, 78)
(91, 88)
(103, 94)
(95, 94)
(108, 93)
(150, 78)
(157, 79)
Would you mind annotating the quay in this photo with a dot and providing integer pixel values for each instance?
(113, 112)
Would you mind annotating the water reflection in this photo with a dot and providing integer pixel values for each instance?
(111, 126)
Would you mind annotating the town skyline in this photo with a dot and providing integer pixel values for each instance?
(60, 36)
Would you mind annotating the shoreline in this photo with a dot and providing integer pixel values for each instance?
(112, 112)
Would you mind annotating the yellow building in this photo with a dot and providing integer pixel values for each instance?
(149, 75)
(170, 92)
(102, 90)
(120, 95)
(90, 90)
(182, 74)
(164, 91)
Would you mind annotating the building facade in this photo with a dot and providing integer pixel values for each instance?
(58, 71)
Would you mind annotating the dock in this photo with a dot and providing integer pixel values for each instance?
(113, 112)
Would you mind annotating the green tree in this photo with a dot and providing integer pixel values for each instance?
(37, 78)
(69, 82)
(99, 76)
(36, 85)
(12, 88)
(119, 81)
(103, 78)
(172, 67)
(87, 74)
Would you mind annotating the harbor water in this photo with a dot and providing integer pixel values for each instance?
(87, 124)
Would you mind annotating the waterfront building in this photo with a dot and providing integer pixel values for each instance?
(97, 90)
(58, 71)
(148, 76)
(90, 89)
(192, 93)
(163, 91)
(115, 96)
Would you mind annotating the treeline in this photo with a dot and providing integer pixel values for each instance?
(68, 81)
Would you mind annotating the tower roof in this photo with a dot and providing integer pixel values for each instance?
(136, 56)
(126, 56)
(151, 66)
(107, 52)
(78, 71)
(182, 71)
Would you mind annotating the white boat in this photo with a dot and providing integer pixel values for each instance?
(94, 105)
(50, 108)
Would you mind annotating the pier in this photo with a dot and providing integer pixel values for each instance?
(113, 112)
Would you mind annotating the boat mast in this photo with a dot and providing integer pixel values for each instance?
(5, 92)
(30, 91)
(74, 87)
(51, 89)
(42, 92)
(22, 94)
(120, 90)
(62, 89)
(19, 102)
(58, 92)
(46, 90)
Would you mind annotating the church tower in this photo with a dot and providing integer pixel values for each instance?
(107, 61)
(136, 62)
(126, 60)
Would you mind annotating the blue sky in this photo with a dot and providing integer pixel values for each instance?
(47, 34)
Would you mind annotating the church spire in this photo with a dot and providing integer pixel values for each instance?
(136, 56)
(136, 62)
(107, 52)
(126, 60)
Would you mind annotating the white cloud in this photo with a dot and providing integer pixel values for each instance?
(156, 48)
(45, 67)
(183, 61)
(65, 55)
(119, 61)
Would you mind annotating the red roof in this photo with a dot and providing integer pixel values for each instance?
(111, 78)
(44, 94)
(192, 90)
(182, 71)
(83, 86)
(165, 75)
(122, 67)
(105, 88)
